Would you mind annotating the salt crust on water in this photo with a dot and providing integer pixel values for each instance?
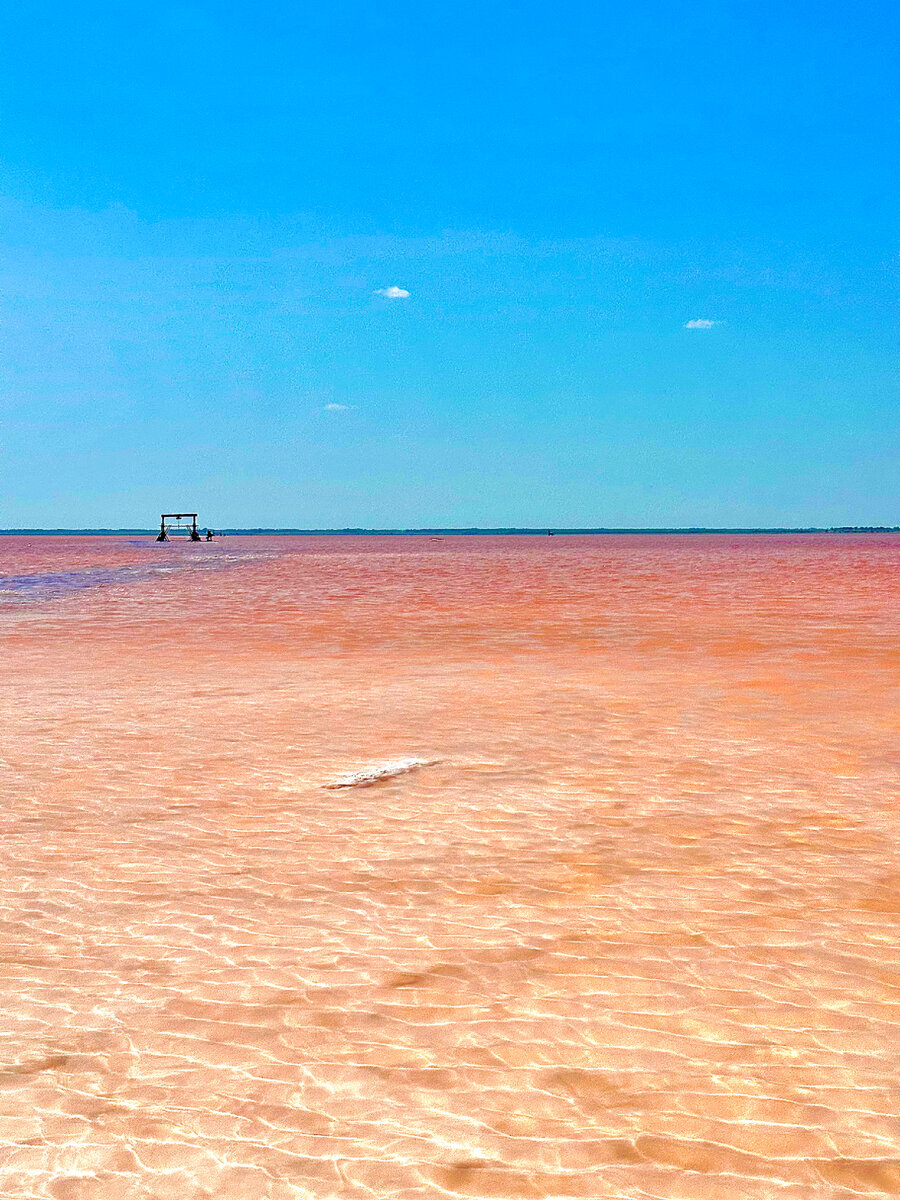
(387, 770)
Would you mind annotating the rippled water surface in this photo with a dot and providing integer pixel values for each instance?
(480, 867)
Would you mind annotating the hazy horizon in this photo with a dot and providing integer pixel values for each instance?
(453, 531)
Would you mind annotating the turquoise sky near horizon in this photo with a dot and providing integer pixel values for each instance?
(649, 251)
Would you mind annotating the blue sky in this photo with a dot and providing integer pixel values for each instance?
(203, 206)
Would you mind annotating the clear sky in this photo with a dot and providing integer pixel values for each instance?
(649, 251)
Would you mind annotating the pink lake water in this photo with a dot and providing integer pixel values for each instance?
(472, 867)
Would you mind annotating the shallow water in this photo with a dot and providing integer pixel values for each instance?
(489, 867)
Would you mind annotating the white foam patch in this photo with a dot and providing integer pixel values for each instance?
(388, 770)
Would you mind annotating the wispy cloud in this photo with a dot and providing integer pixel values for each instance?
(701, 323)
(392, 293)
(337, 407)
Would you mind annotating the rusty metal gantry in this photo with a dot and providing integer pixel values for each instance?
(163, 535)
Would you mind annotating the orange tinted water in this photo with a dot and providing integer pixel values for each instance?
(618, 919)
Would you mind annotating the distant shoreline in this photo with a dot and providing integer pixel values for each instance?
(460, 532)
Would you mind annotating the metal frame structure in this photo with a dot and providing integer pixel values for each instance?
(175, 519)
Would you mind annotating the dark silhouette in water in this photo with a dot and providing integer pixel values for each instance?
(163, 535)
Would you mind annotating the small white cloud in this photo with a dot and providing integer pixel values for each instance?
(337, 408)
(701, 323)
(392, 293)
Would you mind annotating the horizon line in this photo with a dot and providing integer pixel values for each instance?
(458, 531)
